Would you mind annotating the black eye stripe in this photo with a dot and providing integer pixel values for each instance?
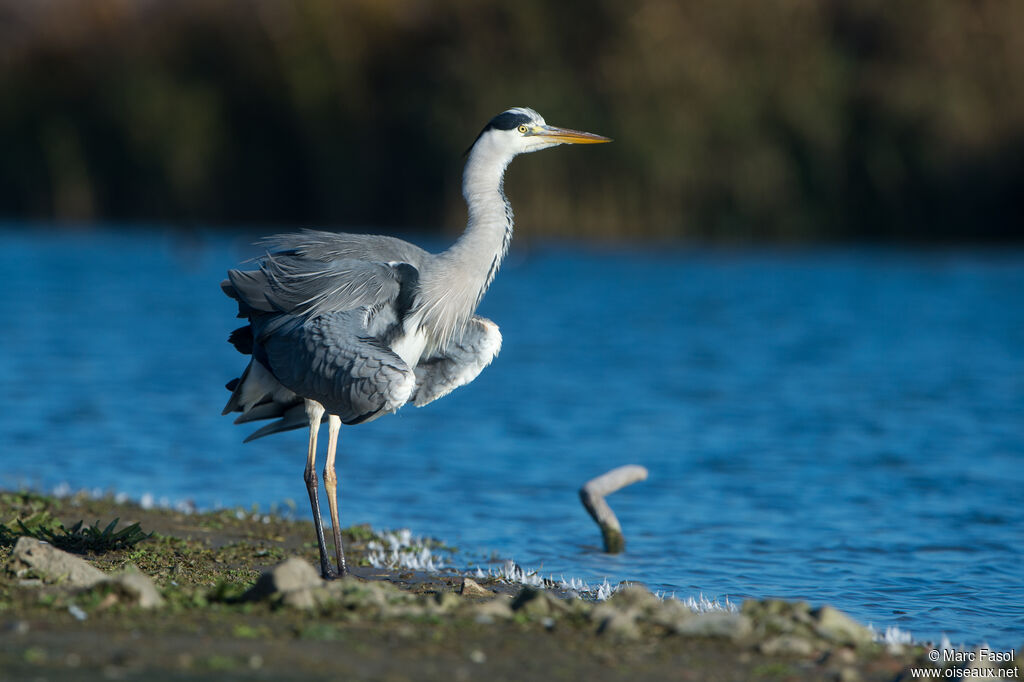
(507, 121)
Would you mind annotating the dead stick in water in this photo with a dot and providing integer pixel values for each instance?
(593, 493)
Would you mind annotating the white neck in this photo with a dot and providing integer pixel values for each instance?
(485, 241)
(452, 292)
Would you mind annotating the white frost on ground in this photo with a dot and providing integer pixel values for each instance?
(895, 639)
(402, 550)
(892, 637)
(146, 500)
(512, 573)
(704, 605)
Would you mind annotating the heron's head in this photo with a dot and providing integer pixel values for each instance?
(520, 130)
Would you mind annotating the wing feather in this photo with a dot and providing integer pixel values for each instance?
(304, 287)
(292, 418)
(323, 246)
(329, 359)
(323, 309)
(459, 363)
(311, 273)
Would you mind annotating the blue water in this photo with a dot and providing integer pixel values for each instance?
(842, 426)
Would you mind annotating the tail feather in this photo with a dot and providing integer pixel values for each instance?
(245, 393)
(249, 288)
(235, 386)
(257, 394)
(242, 339)
(292, 418)
(267, 410)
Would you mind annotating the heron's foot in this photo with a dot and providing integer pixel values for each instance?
(328, 573)
(342, 567)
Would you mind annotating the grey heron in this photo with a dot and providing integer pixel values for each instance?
(355, 326)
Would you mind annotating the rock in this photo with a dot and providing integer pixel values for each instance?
(294, 574)
(776, 618)
(634, 597)
(33, 558)
(292, 582)
(780, 622)
(447, 601)
(489, 611)
(780, 607)
(602, 612)
(843, 656)
(618, 615)
(671, 614)
(620, 622)
(138, 587)
(471, 588)
(787, 645)
(621, 625)
(716, 624)
(303, 598)
(382, 598)
(536, 603)
(836, 626)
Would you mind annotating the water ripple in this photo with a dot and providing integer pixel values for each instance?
(839, 426)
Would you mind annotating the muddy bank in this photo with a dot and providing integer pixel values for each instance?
(234, 597)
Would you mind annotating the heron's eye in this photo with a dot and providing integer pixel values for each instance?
(522, 129)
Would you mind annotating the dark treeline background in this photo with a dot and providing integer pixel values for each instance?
(733, 120)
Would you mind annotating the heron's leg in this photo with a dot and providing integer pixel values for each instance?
(331, 486)
(315, 412)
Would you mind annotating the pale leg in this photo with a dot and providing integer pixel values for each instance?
(315, 412)
(331, 486)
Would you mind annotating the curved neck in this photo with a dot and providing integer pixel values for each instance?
(489, 224)
(479, 251)
(452, 289)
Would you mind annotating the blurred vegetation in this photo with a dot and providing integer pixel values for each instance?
(733, 120)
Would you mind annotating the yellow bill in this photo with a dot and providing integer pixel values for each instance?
(567, 136)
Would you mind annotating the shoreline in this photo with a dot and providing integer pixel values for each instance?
(381, 623)
(288, 510)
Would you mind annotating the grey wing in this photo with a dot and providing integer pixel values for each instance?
(258, 395)
(298, 286)
(312, 272)
(319, 309)
(327, 246)
(459, 363)
(330, 359)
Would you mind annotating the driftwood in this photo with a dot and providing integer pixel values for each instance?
(593, 493)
